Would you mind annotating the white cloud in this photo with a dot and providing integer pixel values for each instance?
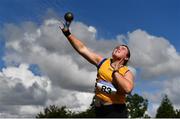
(25, 76)
(171, 88)
(74, 100)
(22, 94)
(19, 87)
(154, 55)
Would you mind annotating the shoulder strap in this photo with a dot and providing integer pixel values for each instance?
(99, 65)
(123, 70)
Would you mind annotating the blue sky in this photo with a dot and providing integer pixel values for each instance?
(159, 18)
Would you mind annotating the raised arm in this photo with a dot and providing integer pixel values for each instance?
(89, 55)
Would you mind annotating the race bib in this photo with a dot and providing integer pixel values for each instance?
(106, 87)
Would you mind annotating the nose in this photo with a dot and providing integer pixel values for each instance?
(118, 49)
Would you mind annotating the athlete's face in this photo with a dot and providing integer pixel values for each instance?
(120, 52)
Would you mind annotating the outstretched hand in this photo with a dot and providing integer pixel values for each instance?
(64, 28)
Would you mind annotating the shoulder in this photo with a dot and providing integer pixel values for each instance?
(103, 60)
(123, 70)
(131, 72)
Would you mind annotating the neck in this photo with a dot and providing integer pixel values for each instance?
(117, 62)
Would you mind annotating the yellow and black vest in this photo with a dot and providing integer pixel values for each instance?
(105, 73)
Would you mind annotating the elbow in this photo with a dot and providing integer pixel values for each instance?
(125, 90)
(128, 89)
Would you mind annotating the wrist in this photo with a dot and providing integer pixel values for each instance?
(114, 71)
(67, 33)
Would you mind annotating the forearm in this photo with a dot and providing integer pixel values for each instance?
(76, 43)
(124, 85)
(82, 49)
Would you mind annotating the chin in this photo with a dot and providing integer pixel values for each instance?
(114, 57)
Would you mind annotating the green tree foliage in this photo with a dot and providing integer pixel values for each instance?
(166, 109)
(54, 112)
(137, 106)
(62, 112)
(86, 114)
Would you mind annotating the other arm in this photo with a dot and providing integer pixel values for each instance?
(125, 83)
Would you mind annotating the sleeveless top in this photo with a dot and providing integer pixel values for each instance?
(105, 73)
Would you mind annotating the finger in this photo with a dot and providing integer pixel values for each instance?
(120, 65)
(61, 24)
(116, 67)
